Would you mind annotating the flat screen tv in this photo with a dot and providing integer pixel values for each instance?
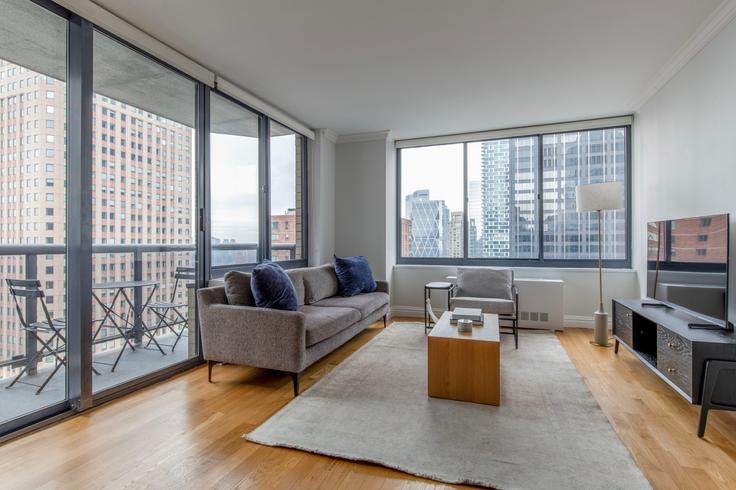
(687, 267)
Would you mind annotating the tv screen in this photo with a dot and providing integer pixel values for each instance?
(687, 264)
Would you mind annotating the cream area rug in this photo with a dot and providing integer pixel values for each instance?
(548, 432)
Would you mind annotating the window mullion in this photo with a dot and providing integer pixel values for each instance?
(264, 173)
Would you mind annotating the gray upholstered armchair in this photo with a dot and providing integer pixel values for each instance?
(491, 290)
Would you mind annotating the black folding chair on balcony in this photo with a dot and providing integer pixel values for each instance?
(173, 315)
(49, 333)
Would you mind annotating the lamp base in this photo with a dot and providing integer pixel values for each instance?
(600, 329)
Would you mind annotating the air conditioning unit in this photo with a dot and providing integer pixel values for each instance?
(541, 303)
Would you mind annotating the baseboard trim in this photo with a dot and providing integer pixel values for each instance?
(583, 321)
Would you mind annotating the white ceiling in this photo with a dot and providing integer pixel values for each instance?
(428, 67)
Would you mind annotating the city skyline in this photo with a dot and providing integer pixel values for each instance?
(503, 190)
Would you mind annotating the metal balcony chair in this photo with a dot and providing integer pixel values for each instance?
(170, 313)
(490, 290)
(53, 328)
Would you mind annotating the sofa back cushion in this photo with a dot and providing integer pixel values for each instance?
(319, 283)
(272, 287)
(480, 282)
(238, 291)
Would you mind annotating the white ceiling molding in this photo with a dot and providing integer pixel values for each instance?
(360, 137)
(262, 106)
(329, 134)
(117, 26)
(607, 122)
(708, 30)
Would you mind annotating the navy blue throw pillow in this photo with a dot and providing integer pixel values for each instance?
(354, 275)
(272, 287)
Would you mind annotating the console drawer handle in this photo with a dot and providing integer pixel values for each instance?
(671, 370)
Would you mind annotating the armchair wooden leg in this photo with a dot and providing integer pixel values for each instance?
(210, 365)
(516, 333)
(295, 381)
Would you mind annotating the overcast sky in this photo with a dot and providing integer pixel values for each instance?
(234, 175)
(439, 169)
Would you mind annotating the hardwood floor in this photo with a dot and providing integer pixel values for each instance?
(185, 433)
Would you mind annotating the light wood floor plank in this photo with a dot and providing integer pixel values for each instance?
(186, 433)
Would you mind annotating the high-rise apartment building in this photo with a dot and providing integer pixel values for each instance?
(143, 194)
(283, 230)
(456, 234)
(569, 159)
(507, 198)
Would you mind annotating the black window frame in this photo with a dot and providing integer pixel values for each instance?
(540, 261)
(78, 247)
(264, 206)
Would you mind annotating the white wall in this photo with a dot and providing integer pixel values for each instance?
(365, 224)
(361, 201)
(321, 193)
(581, 287)
(686, 163)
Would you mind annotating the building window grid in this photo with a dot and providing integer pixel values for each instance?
(596, 154)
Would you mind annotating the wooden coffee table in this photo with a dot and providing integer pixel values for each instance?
(465, 367)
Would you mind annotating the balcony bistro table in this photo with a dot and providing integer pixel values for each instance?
(126, 328)
(443, 286)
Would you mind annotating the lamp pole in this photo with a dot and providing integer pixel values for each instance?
(600, 335)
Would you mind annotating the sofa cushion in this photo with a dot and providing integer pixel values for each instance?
(365, 303)
(481, 282)
(319, 283)
(272, 287)
(354, 275)
(322, 323)
(237, 286)
(237, 289)
(297, 278)
(488, 305)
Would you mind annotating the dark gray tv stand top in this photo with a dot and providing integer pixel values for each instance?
(661, 338)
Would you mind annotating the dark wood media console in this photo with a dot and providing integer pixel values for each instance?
(660, 337)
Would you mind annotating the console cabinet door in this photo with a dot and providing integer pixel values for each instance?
(674, 359)
(623, 324)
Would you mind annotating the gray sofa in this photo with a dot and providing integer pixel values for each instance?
(287, 341)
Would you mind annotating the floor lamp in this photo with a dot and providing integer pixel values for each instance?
(598, 198)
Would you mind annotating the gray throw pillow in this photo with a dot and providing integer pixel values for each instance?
(237, 289)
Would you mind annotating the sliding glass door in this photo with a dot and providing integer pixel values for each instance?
(234, 188)
(144, 221)
(33, 330)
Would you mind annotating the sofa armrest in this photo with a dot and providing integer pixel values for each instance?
(382, 287)
(260, 337)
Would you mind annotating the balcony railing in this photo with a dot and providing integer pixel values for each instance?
(30, 271)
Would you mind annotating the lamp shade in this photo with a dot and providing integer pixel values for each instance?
(599, 197)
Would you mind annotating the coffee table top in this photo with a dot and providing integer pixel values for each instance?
(488, 332)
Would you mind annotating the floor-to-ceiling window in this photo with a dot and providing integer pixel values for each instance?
(234, 176)
(144, 220)
(287, 150)
(33, 330)
(103, 206)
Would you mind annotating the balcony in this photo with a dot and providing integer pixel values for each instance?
(111, 263)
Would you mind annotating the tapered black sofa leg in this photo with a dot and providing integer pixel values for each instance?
(295, 381)
(384, 321)
(210, 365)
